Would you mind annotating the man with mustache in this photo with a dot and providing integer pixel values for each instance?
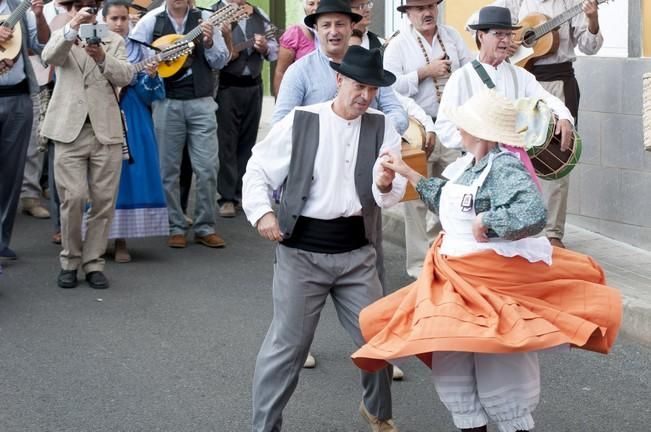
(311, 80)
(422, 56)
(494, 34)
(555, 74)
(328, 227)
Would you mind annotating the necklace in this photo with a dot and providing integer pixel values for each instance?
(438, 85)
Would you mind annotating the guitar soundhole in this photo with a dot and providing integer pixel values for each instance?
(528, 38)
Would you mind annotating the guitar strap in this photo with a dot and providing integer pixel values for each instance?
(479, 68)
(483, 75)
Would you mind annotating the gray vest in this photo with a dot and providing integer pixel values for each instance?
(248, 57)
(305, 142)
(29, 71)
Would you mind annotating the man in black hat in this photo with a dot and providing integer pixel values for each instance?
(555, 72)
(310, 80)
(495, 33)
(328, 227)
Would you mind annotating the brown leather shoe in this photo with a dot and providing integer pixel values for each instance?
(177, 241)
(211, 240)
(556, 242)
(56, 238)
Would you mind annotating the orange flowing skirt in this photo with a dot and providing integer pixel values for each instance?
(487, 303)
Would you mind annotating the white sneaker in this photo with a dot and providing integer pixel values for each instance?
(310, 362)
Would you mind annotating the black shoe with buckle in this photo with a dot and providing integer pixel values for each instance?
(97, 280)
(67, 279)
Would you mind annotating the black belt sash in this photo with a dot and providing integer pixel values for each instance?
(333, 236)
(15, 90)
(562, 72)
(229, 80)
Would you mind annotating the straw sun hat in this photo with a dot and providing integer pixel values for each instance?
(490, 116)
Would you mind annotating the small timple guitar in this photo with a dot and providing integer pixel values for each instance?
(10, 49)
(169, 54)
(539, 35)
(228, 14)
(270, 33)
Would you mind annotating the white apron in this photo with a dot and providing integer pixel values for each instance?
(457, 213)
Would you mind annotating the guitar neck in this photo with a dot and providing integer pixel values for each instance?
(250, 42)
(17, 14)
(228, 13)
(559, 20)
(244, 45)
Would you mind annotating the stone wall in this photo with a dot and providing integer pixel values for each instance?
(610, 190)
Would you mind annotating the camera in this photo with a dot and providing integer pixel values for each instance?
(92, 34)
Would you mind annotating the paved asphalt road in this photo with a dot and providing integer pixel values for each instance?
(171, 347)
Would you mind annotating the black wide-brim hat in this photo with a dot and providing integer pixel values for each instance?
(364, 66)
(332, 6)
(494, 17)
(415, 3)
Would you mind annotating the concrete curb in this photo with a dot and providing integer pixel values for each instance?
(636, 299)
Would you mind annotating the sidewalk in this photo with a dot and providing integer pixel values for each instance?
(627, 268)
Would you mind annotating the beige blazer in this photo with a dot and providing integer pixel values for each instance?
(82, 90)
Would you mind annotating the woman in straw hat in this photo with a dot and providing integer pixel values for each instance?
(490, 295)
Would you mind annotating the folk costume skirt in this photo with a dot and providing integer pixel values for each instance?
(486, 303)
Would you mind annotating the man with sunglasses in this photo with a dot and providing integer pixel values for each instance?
(364, 8)
(555, 73)
(495, 32)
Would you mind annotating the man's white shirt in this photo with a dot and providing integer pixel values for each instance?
(511, 81)
(333, 193)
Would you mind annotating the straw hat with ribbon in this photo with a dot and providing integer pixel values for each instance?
(490, 116)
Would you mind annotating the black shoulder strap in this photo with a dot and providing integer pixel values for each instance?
(483, 74)
(159, 27)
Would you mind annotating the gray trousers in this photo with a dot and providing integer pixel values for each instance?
(34, 162)
(555, 192)
(301, 284)
(16, 117)
(193, 121)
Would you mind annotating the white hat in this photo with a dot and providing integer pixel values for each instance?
(490, 116)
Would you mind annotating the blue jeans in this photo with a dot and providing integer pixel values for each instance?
(192, 121)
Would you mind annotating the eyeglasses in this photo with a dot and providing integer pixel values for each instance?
(363, 6)
(501, 34)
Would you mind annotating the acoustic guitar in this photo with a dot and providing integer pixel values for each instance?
(228, 14)
(539, 35)
(10, 49)
(270, 33)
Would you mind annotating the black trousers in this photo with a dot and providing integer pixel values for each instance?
(238, 117)
(16, 117)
